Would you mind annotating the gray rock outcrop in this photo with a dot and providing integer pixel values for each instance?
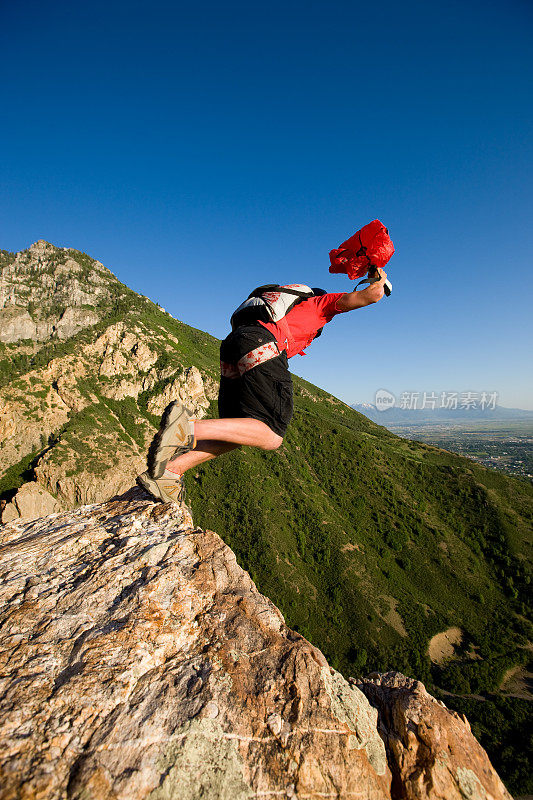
(56, 287)
(31, 501)
(432, 752)
(140, 661)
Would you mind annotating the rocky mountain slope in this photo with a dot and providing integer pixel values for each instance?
(372, 546)
(79, 349)
(140, 661)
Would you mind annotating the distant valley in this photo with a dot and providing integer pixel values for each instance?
(500, 438)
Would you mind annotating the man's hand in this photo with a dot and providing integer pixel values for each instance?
(365, 297)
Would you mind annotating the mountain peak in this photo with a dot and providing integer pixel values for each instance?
(51, 292)
(42, 246)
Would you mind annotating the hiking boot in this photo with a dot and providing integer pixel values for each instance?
(173, 438)
(167, 490)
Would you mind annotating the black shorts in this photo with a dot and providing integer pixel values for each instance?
(263, 392)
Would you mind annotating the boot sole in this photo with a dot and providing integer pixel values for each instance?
(151, 486)
(173, 434)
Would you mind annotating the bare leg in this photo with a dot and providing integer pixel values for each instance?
(217, 436)
(205, 450)
(242, 430)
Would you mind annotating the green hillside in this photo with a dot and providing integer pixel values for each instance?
(347, 514)
(370, 544)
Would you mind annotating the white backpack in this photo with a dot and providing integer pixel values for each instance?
(270, 303)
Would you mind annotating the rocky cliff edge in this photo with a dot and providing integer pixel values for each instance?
(140, 661)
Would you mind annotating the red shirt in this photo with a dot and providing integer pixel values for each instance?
(299, 327)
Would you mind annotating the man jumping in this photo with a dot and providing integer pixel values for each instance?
(255, 398)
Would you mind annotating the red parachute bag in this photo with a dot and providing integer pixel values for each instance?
(370, 247)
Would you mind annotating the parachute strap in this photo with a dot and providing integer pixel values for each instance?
(257, 356)
(275, 287)
(387, 286)
(228, 370)
(362, 252)
(365, 280)
(268, 287)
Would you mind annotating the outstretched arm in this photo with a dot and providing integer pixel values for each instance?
(365, 297)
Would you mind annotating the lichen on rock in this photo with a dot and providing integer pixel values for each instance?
(350, 706)
(200, 763)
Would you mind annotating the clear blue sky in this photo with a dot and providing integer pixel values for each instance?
(199, 150)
